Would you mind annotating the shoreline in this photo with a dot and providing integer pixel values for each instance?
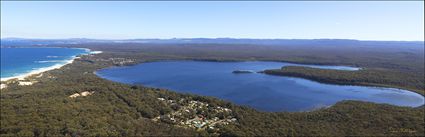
(44, 69)
(364, 84)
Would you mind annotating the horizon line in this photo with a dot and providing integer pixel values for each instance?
(111, 39)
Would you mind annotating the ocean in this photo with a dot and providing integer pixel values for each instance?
(19, 62)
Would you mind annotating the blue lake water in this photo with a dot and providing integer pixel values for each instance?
(20, 61)
(260, 91)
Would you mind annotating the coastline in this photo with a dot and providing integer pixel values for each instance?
(44, 69)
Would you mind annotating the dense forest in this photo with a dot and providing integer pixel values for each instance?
(368, 77)
(46, 108)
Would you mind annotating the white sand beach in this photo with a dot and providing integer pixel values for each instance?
(95, 52)
(2, 86)
(41, 70)
(83, 94)
(38, 71)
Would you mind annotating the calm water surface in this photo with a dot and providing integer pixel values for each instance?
(260, 91)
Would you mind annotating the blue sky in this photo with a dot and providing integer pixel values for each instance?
(362, 20)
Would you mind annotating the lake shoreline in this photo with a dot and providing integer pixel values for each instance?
(279, 61)
(253, 118)
(277, 72)
(127, 75)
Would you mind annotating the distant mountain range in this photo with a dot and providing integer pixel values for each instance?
(330, 42)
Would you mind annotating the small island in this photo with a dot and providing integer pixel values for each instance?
(243, 71)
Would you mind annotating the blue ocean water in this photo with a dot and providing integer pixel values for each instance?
(260, 91)
(20, 61)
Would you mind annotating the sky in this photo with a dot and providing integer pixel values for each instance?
(363, 20)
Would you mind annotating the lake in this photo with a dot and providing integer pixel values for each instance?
(257, 90)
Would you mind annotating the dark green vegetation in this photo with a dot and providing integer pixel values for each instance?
(124, 110)
(393, 66)
(366, 77)
(243, 71)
